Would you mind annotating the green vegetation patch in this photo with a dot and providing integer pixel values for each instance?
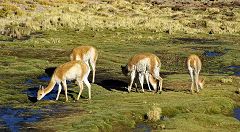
(111, 107)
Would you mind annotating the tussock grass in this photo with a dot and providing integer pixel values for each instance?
(154, 114)
(9, 10)
(121, 14)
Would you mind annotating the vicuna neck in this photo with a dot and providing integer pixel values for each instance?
(50, 86)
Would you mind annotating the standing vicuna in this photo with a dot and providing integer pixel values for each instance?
(144, 64)
(194, 65)
(78, 70)
(88, 54)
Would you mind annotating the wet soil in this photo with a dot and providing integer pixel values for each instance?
(12, 118)
(236, 112)
(20, 119)
(141, 127)
(235, 69)
(212, 53)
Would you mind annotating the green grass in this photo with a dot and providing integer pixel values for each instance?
(115, 110)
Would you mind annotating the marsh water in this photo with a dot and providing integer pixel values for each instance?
(32, 92)
(234, 69)
(212, 53)
(13, 119)
(141, 127)
(20, 119)
(237, 113)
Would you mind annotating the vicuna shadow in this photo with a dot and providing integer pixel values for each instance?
(50, 70)
(107, 81)
(110, 84)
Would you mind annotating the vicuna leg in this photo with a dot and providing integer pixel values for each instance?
(191, 75)
(89, 87)
(80, 84)
(141, 80)
(135, 83)
(93, 65)
(160, 83)
(59, 90)
(196, 80)
(147, 79)
(65, 88)
(136, 86)
(133, 74)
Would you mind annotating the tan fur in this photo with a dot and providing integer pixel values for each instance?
(78, 70)
(194, 65)
(154, 61)
(62, 69)
(87, 54)
(135, 59)
(194, 62)
(148, 62)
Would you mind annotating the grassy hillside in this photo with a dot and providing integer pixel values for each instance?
(21, 18)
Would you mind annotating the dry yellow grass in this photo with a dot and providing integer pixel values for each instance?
(79, 14)
(154, 113)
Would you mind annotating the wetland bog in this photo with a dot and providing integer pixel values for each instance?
(111, 107)
(27, 63)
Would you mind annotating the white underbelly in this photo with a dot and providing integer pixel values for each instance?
(73, 73)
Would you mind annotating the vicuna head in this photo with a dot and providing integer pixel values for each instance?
(201, 82)
(40, 93)
(154, 82)
(125, 70)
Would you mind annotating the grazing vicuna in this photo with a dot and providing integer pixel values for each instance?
(194, 65)
(72, 70)
(144, 64)
(87, 54)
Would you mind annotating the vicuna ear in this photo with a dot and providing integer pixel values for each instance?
(41, 87)
(122, 66)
